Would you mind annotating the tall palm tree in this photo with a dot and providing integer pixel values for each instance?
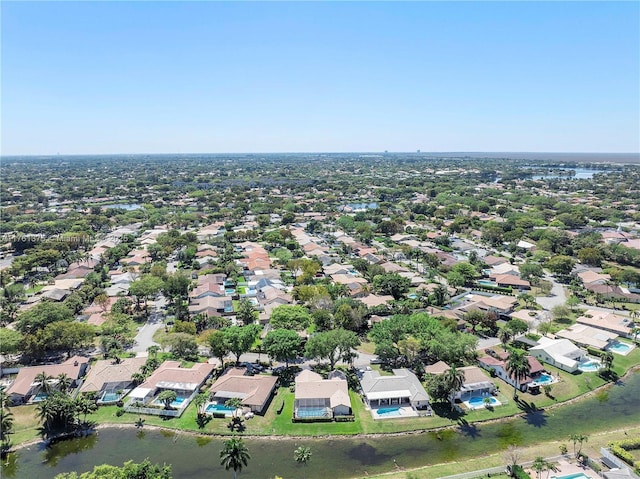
(518, 368)
(234, 455)
(540, 464)
(44, 380)
(454, 379)
(578, 439)
(84, 406)
(607, 360)
(200, 400)
(64, 382)
(302, 455)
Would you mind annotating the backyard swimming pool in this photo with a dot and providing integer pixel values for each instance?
(589, 365)
(110, 397)
(175, 404)
(219, 408)
(477, 402)
(386, 412)
(578, 475)
(619, 348)
(313, 412)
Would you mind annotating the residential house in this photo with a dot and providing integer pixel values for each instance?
(498, 365)
(560, 353)
(614, 323)
(25, 389)
(588, 336)
(255, 392)
(402, 388)
(321, 398)
(186, 382)
(110, 381)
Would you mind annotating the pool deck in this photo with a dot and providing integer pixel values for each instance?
(566, 468)
(405, 412)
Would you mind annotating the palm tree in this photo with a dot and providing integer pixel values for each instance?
(44, 380)
(153, 351)
(635, 331)
(200, 400)
(504, 335)
(518, 368)
(578, 439)
(454, 379)
(607, 360)
(540, 464)
(64, 382)
(234, 455)
(302, 455)
(84, 406)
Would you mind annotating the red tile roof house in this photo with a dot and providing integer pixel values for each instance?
(499, 367)
(186, 382)
(110, 381)
(255, 392)
(24, 389)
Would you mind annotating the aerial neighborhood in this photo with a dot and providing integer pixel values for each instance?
(332, 298)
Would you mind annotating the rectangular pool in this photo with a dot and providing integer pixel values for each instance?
(219, 408)
(578, 475)
(313, 412)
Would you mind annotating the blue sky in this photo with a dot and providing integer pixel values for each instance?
(161, 77)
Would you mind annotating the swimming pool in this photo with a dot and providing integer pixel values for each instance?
(589, 365)
(110, 397)
(313, 412)
(578, 475)
(544, 379)
(486, 282)
(219, 408)
(175, 404)
(477, 402)
(385, 412)
(618, 347)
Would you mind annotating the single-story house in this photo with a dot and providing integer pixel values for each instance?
(255, 392)
(317, 397)
(403, 388)
(169, 376)
(24, 386)
(587, 336)
(560, 353)
(476, 383)
(611, 322)
(499, 367)
(106, 378)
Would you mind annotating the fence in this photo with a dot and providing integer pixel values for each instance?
(611, 459)
(154, 411)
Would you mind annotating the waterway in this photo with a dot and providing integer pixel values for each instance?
(338, 458)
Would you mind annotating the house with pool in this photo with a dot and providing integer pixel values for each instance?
(584, 335)
(111, 381)
(498, 365)
(477, 387)
(185, 382)
(607, 321)
(318, 398)
(400, 394)
(255, 392)
(564, 355)
(26, 389)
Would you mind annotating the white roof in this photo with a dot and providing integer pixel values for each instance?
(140, 392)
(389, 394)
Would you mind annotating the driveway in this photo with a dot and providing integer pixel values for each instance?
(557, 297)
(144, 338)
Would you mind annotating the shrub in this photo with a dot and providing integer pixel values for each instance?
(119, 412)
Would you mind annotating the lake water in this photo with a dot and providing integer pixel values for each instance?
(195, 457)
(581, 174)
(123, 206)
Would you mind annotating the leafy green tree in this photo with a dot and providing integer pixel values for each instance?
(466, 270)
(183, 346)
(241, 338)
(218, 345)
(234, 455)
(10, 341)
(167, 397)
(282, 345)
(331, 345)
(145, 288)
(560, 264)
(130, 470)
(440, 295)
(35, 319)
(290, 317)
(392, 284)
(246, 313)
(531, 271)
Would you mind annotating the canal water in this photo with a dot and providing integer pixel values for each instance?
(335, 458)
